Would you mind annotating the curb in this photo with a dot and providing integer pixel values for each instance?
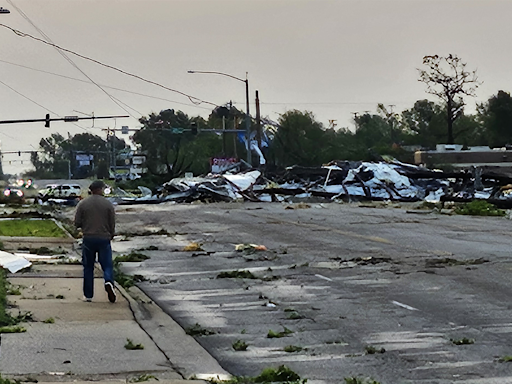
(184, 353)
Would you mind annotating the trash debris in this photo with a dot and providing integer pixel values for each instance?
(350, 181)
(193, 247)
(13, 262)
(249, 247)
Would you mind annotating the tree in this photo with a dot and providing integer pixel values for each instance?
(300, 140)
(56, 155)
(170, 151)
(424, 123)
(496, 117)
(372, 130)
(448, 79)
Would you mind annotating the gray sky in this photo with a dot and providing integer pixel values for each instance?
(330, 57)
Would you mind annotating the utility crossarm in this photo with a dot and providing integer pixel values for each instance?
(66, 119)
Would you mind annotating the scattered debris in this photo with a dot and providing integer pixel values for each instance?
(193, 247)
(131, 346)
(249, 248)
(132, 257)
(463, 341)
(360, 380)
(449, 262)
(236, 275)
(301, 205)
(240, 345)
(13, 262)
(292, 348)
(142, 378)
(198, 330)
(273, 334)
(371, 350)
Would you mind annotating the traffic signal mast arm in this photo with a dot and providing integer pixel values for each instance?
(66, 119)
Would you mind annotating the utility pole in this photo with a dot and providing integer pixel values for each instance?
(258, 120)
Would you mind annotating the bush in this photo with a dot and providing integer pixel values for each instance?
(479, 208)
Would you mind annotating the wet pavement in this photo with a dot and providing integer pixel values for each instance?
(345, 280)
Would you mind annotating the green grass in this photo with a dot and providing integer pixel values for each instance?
(3, 380)
(31, 228)
(479, 208)
(131, 346)
(5, 318)
(49, 320)
(505, 359)
(12, 329)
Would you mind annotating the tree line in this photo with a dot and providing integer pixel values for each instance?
(172, 145)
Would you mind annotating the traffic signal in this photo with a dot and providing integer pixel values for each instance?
(193, 126)
(47, 123)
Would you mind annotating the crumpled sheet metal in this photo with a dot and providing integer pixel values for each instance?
(225, 187)
(13, 262)
(391, 180)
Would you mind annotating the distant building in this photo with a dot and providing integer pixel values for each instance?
(454, 155)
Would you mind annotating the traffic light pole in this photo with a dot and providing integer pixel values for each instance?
(47, 119)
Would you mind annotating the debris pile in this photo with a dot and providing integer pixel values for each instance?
(338, 180)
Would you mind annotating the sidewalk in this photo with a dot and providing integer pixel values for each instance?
(87, 341)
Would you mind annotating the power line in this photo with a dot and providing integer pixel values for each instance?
(193, 99)
(48, 39)
(103, 85)
(36, 103)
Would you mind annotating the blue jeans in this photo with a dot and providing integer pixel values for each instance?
(90, 247)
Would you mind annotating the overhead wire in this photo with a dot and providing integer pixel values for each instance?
(48, 39)
(36, 103)
(192, 99)
(103, 85)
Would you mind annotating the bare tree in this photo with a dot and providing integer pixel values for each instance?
(447, 78)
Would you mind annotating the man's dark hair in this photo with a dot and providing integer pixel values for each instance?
(96, 185)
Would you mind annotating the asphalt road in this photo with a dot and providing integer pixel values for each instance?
(345, 280)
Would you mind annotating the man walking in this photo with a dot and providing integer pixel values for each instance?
(96, 216)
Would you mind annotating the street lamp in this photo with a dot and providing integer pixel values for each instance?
(247, 116)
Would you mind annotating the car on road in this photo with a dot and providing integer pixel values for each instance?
(12, 194)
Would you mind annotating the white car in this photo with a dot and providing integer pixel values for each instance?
(61, 191)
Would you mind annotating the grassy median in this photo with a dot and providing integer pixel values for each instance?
(31, 228)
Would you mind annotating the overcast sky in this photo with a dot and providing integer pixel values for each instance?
(330, 57)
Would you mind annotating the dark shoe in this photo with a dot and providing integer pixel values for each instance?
(109, 287)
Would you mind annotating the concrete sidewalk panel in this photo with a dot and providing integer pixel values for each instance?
(40, 297)
(91, 347)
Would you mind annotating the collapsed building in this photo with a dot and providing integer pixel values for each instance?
(339, 180)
